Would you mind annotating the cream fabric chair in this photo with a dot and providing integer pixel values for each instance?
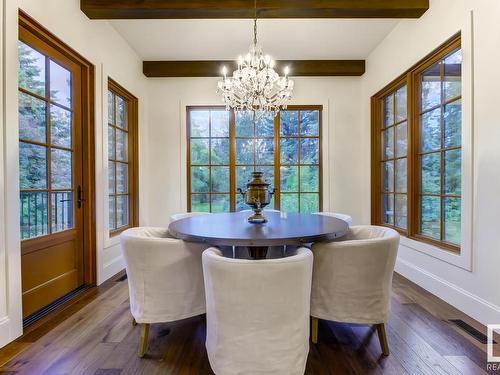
(257, 313)
(184, 215)
(352, 278)
(165, 277)
(346, 218)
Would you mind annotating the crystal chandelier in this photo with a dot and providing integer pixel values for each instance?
(255, 86)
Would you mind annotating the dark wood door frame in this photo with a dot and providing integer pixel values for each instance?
(88, 140)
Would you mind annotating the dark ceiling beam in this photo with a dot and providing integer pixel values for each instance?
(183, 9)
(308, 68)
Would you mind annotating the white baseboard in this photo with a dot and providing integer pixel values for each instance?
(6, 331)
(111, 268)
(472, 305)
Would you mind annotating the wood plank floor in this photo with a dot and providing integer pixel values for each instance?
(95, 336)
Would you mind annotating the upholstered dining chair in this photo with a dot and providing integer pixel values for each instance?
(352, 279)
(184, 215)
(165, 278)
(346, 218)
(257, 313)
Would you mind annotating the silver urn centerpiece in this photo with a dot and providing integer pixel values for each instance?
(257, 197)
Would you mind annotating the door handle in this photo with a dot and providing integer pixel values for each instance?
(79, 198)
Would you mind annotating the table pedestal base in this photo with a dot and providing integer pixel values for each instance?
(258, 252)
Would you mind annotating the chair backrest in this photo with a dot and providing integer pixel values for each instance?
(352, 277)
(257, 313)
(164, 274)
(184, 215)
(346, 218)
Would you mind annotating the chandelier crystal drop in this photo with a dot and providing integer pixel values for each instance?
(255, 85)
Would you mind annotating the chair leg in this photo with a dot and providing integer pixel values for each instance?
(314, 330)
(143, 343)
(382, 337)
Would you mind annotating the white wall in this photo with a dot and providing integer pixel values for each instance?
(104, 47)
(469, 281)
(342, 152)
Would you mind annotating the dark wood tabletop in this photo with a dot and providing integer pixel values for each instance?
(233, 229)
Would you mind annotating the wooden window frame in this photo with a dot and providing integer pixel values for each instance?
(132, 156)
(232, 154)
(412, 80)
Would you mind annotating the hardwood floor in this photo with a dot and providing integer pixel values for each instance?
(95, 336)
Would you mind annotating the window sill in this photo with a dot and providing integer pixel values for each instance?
(460, 259)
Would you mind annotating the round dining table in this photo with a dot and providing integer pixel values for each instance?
(281, 229)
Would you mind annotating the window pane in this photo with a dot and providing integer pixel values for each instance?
(431, 130)
(121, 178)
(264, 151)
(121, 210)
(121, 145)
(388, 176)
(220, 180)
(453, 75)
(309, 203)
(111, 112)
(401, 139)
(452, 220)
(289, 202)
(199, 179)
(388, 143)
(388, 209)
(62, 210)
(309, 178)
(61, 169)
(200, 203)
(31, 69)
(244, 151)
(289, 150)
(431, 87)
(220, 151)
(240, 203)
(121, 112)
(112, 212)
(430, 216)
(60, 122)
(33, 214)
(243, 176)
(453, 172)
(431, 173)
(401, 104)
(111, 177)
(32, 166)
(199, 151)
(199, 123)
(309, 150)
(401, 175)
(389, 110)
(264, 124)
(32, 118)
(111, 143)
(220, 123)
(309, 123)
(60, 84)
(220, 202)
(289, 123)
(289, 178)
(401, 211)
(244, 124)
(453, 124)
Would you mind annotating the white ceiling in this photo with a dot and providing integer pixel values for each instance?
(281, 38)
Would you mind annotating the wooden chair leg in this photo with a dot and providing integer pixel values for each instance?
(382, 337)
(143, 343)
(314, 330)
